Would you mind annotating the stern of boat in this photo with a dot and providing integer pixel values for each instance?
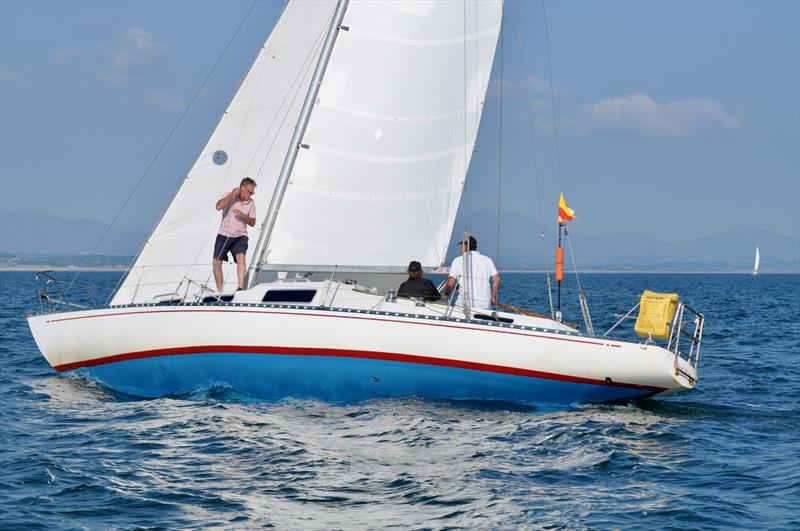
(686, 335)
(662, 316)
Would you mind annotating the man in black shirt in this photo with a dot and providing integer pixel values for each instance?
(416, 286)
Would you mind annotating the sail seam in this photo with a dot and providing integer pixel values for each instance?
(468, 37)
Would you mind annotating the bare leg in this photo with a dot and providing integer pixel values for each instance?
(217, 267)
(240, 269)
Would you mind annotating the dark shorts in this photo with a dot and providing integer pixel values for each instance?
(227, 244)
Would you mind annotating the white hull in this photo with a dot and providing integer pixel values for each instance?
(349, 353)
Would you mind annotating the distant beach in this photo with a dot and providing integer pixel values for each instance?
(35, 268)
(122, 268)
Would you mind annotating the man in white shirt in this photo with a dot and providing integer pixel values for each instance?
(475, 276)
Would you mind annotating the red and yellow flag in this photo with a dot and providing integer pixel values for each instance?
(565, 213)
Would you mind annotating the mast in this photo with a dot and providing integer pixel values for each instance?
(294, 146)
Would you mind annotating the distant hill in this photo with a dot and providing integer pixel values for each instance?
(734, 250)
(43, 234)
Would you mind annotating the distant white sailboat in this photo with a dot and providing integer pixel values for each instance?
(757, 262)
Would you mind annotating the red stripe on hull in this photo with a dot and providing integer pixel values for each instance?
(362, 354)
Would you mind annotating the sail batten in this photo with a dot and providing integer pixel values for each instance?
(459, 40)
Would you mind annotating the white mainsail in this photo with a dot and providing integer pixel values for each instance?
(390, 137)
(250, 140)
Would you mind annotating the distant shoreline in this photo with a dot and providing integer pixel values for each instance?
(660, 271)
(87, 269)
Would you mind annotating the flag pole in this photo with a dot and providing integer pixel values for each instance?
(565, 213)
(559, 271)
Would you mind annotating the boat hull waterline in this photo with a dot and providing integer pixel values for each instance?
(341, 356)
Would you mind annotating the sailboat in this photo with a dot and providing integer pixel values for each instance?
(757, 262)
(359, 118)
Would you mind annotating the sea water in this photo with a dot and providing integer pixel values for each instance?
(74, 455)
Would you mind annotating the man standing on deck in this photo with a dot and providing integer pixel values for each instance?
(238, 211)
(479, 271)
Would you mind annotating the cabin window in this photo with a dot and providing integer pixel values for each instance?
(289, 295)
(214, 298)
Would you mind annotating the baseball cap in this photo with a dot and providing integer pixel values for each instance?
(473, 243)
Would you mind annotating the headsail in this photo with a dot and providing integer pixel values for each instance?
(250, 140)
(390, 137)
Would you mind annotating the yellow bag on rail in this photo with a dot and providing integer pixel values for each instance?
(656, 312)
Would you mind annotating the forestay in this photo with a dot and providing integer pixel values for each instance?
(251, 140)
(379, 177)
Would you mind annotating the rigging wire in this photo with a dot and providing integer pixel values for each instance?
(465, 262)
(555, 121)
(500, 143)
(163, 145)
(552, 96)
(463, 204)
(464, 190)
(581, 295)
(572, 256)
(535, 169)
(587, 318)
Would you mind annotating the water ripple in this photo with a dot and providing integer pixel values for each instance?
(76, 455)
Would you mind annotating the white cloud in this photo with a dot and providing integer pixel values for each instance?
(639, 113)
(139, 48)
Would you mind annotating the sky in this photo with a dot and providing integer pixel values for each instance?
(672, 119)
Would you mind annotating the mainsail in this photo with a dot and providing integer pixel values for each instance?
(250, 141)
(379, 176)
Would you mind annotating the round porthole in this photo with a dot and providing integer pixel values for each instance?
(220, 158)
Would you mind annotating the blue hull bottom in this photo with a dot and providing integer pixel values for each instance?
(339, 379)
